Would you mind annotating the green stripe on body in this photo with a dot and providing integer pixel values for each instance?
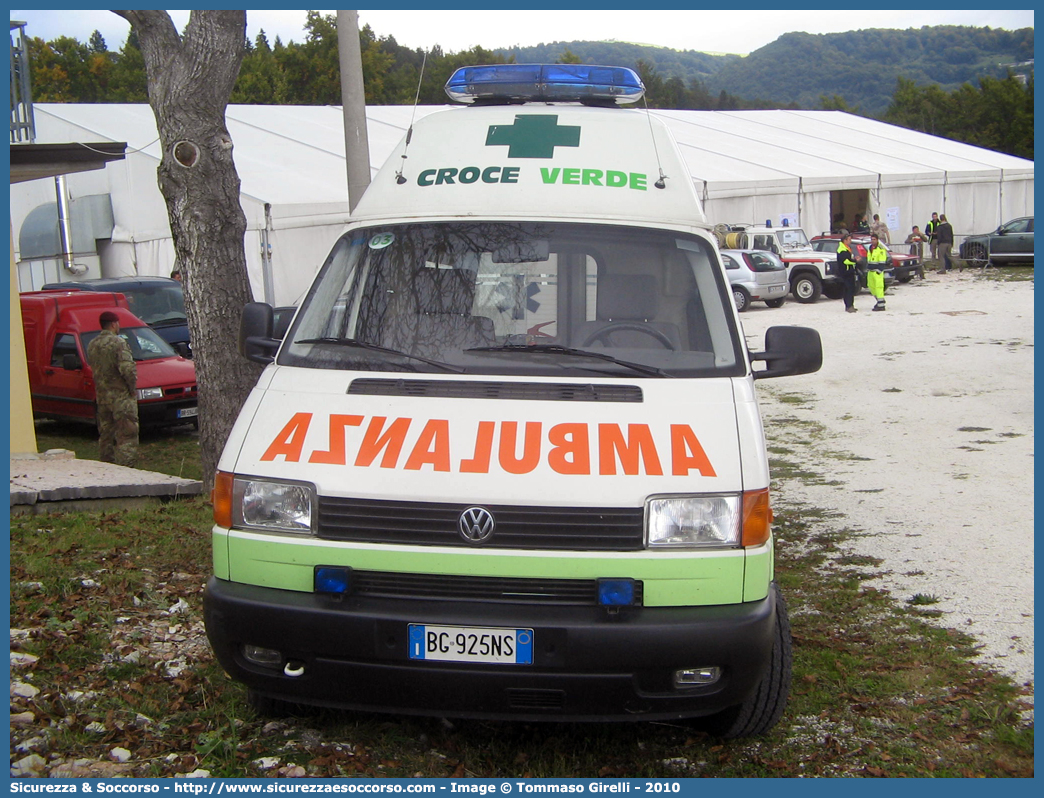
(671, 578)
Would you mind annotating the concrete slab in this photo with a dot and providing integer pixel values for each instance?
(55, 481)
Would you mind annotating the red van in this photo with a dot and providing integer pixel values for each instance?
(58, 327)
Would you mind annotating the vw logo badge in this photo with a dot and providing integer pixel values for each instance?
(476, 525)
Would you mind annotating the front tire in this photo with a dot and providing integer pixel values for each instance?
(807, 288)
(774, 303)
(741, 298)
(764, 708)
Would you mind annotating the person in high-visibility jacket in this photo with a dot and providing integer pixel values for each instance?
(877, 259)
(929, 230)
(847, 267)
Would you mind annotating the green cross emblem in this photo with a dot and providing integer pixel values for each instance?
(533, 136)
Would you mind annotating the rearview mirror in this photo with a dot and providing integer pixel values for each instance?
(788, 351)
(528, 251)
(255, 333)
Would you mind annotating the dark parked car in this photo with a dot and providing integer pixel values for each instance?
(1011, 243)
(158, 301)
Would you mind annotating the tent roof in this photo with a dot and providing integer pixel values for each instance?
(825, 150)
(294, 155)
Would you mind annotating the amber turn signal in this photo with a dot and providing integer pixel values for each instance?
(221, 497)
(757, 517)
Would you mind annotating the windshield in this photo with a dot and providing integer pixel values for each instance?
(792, 238)
(144, 343)
(157, 305)
(518, 298)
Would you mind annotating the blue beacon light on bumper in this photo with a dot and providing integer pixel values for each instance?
(616, 592)
(332, 579)
(583, 83)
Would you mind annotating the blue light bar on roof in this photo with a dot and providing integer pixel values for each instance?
(599, 85)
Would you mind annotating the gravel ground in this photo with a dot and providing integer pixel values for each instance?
(931, 401)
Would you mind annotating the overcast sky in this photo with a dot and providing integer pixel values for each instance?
(739, 31)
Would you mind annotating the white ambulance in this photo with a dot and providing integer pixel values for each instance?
(508, 461)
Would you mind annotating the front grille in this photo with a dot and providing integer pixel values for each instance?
(435, 524)
(436, 587)
(191, 389)
(488, 389)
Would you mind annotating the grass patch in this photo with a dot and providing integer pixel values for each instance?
(794, 398)
(110, 604)
(165, 450)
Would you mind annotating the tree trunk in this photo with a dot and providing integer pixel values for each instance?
(190, 78)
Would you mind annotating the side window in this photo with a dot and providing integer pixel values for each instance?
(1018, 226)
(729, 262)
(64, 344)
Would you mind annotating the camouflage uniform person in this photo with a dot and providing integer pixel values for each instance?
(115, 383)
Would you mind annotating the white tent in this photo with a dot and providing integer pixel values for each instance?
(749, 166)
(761, 165)
(294, 193)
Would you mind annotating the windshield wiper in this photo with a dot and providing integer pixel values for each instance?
(557, 349)
(382, 349)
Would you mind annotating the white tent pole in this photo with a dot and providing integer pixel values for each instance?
(1000, 200)
(266, 256)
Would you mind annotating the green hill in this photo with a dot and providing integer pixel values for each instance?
(797, 69)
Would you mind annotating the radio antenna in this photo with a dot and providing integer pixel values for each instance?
(409, 132)
(662, 182)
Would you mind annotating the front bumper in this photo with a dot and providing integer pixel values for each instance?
(907, 270)
(158, 413)
(588, 664)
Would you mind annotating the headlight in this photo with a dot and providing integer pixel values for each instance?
(273, 506)
(693, 521)
(150, 393)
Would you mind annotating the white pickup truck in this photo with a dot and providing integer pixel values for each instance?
(810, 272)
